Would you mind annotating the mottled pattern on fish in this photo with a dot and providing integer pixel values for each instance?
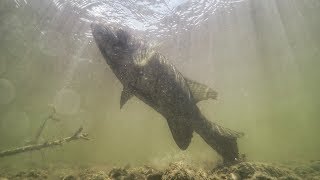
(149, 76)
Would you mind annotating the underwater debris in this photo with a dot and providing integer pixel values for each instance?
(31, 174)
(119, 173)
(180, 170)
(146, 172)
(254, 170)
(76, 136)
(310, 169)
(52, 116)
(69, 177)
(90, 174)
(174, 171)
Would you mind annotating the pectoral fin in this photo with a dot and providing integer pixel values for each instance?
(200, 91)
(126, 94)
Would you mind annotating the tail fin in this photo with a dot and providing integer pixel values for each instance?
(221, 139)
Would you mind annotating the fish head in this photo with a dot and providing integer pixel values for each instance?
(115, 44)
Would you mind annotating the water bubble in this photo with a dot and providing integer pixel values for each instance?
(16, 124)
(7, 91)
(67, 102)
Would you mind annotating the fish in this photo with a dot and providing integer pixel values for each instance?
(151, 77)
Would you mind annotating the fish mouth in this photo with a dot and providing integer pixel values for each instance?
(102, 33)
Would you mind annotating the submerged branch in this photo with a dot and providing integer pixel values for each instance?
(76, 136)
(52, 116)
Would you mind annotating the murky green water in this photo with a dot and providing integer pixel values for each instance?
(261, 56)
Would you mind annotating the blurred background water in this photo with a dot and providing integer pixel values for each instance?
(261, 56)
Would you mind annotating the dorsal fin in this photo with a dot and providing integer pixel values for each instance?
(200, 91)
(126, 94)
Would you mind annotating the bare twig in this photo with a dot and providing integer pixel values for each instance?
(52, 116)
(76, 136)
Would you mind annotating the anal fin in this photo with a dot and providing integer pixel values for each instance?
(200, 91)
(181, 131)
